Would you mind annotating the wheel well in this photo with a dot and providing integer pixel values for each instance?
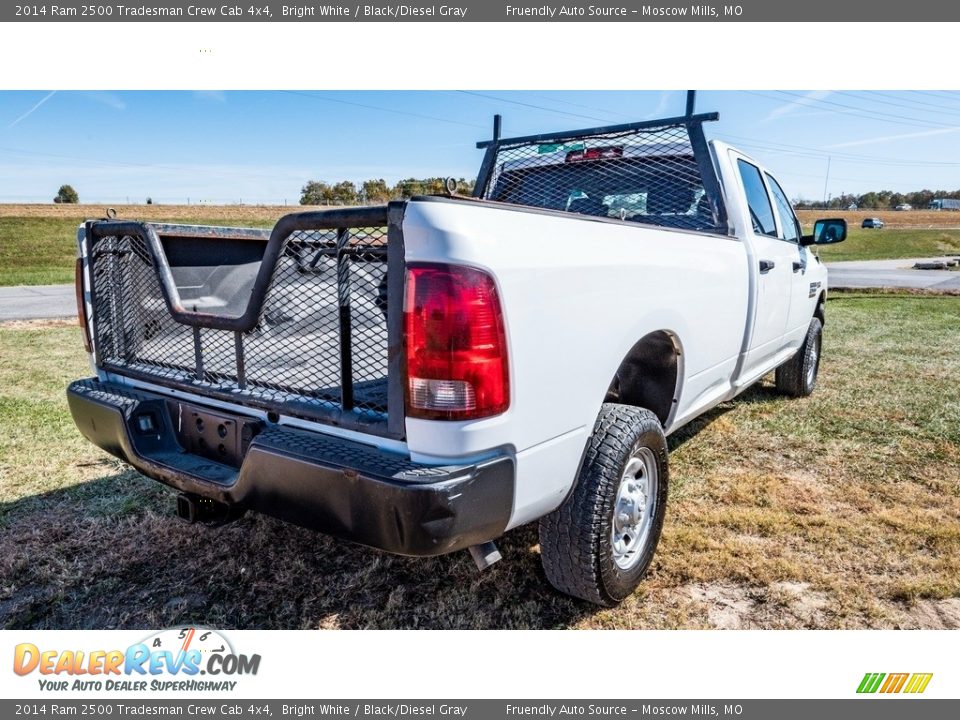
(648, 376)
(821, 311)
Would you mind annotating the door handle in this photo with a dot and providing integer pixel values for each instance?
(766, 266)
(797, 266)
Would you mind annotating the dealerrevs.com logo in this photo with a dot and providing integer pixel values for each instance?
(172, 659)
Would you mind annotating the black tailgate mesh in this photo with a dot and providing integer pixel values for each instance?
(291, 360)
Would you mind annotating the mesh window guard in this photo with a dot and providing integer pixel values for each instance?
(657, 173)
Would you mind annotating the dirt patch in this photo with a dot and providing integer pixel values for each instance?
(798, 599)
(933, 614)
(728, 607)
(786, 604)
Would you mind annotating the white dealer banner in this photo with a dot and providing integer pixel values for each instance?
(204, 663)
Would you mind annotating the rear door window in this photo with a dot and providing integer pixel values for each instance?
(788, 221)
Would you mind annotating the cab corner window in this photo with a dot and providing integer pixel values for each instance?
(761, 213)
(788, 221)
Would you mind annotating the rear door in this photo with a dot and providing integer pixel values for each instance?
(774, 259)
(803, 293)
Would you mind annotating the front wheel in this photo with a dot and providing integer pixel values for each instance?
(798, 376)
(600, 542)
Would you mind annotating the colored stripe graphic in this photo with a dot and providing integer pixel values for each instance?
(918, 682)
(870, 682)
(894, 683)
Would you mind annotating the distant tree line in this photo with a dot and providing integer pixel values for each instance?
(345, 192)
(880, 200)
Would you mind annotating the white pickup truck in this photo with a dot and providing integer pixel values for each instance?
(423, 376)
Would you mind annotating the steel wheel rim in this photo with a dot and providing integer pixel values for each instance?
(814, 361)
(634, 508)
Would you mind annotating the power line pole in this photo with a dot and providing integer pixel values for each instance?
(826, 181)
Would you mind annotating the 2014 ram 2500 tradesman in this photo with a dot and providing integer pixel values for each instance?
(423, 376)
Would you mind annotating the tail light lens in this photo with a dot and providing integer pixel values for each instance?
(82, 305)
(456, 347)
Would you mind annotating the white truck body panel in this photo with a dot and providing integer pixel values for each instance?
(559, 314)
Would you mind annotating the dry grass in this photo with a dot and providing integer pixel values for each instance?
(891, 218)
(910, 233)
(891, 243)
(38, 242)
(271, 213)
(80, 212)
(841, 510)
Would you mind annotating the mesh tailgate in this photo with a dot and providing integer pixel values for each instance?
(319, 348)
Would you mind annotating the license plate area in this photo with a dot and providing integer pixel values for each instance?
(221, 437)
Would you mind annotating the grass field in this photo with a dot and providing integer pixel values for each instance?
(38, 242)
(838, 511)
(891, 243)
(892, 218)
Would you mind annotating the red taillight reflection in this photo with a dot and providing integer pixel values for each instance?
(594, 154)
(455, 344)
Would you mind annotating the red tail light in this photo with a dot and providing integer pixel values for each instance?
(82, 305)
(456, 346)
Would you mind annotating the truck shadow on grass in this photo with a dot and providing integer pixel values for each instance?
(110, 553)
(759, 393)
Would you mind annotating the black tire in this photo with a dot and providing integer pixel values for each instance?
(798, 376)
(577, 540)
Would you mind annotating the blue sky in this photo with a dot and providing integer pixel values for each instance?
(261, 147)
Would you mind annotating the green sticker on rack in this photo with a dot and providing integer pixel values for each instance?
(554, 147)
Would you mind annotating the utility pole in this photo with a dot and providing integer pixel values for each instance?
(826, 182)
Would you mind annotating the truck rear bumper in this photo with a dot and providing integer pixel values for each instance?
(336, 486)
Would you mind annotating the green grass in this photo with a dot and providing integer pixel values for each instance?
(37, 251)
(835, 511)
(41, 250)
(892, 243)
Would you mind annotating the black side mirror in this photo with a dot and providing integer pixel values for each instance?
(826, 232)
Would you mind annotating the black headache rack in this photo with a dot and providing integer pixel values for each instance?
(305, 320)
(657, 172)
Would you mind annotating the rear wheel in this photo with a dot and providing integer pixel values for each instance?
(600, 542)
(798, 376)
